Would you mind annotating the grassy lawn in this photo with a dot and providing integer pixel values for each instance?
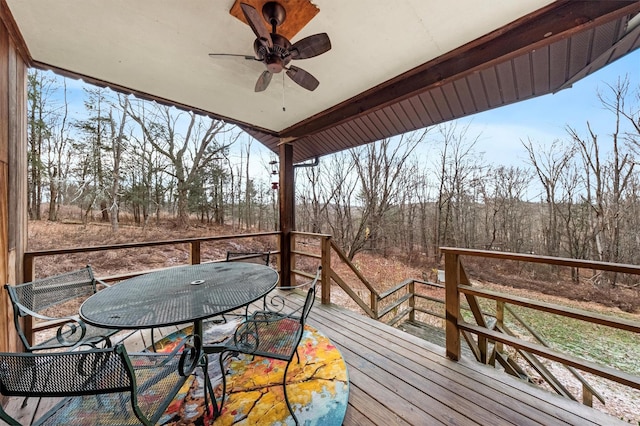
(604, 345)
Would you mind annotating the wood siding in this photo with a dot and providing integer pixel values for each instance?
(13, 175)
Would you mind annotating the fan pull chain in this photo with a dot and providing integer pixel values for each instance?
(283, 108)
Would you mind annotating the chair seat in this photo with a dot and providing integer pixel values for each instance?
(106, 386)
(156, 386)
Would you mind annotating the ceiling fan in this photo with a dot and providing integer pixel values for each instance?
(275, 51)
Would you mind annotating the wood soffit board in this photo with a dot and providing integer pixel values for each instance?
(299, 13)
(557, 21)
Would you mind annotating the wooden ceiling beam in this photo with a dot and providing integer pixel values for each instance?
(559, 20)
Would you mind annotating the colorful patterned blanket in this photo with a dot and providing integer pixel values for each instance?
(318, 386)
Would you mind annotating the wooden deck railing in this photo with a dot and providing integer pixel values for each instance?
(404, 301)
(457, 284)
(195, 257)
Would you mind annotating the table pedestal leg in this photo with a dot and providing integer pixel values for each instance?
(204, 363)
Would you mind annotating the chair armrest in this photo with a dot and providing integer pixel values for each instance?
(189, 350)
(103, 283)
(71, 322)
(293, 287)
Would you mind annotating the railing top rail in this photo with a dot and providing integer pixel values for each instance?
(72, 250)
(565, 311)
(311, 234)
(561, 261)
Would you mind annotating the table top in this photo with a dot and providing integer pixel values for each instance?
(178, 295)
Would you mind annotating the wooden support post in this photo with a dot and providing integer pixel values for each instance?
(326, 270)
(287, 211)
(452, 304)
(194, 252)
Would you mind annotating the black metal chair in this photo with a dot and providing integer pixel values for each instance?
(270, 334)
(100, 386)
(37, 297)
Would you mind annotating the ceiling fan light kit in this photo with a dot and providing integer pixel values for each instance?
(276, 51)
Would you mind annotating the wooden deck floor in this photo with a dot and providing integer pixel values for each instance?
(399, 379)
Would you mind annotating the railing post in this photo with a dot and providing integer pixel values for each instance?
(412, 300)
(326, 270)
(452, 304)
(194, 252)
(29, 272)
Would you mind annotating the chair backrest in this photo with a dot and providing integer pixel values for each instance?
(44, 293)
(260, 257)
(311, 297)
(61, 374)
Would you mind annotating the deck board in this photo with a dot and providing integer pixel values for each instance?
(396, 378)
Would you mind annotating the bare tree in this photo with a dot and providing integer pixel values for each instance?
(458, 166)
(42, 115)
(187, 153)
(117, 147)
(505, 215)
(340, 214)
(314, 197)
(380, 168)
(58, 156)
(608, 177)
(549, 165)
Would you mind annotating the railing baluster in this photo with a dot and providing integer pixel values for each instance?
(412, 300)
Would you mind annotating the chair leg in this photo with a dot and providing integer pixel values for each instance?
(221, 359)
(153, 342)
(208, 388)
(286, 398)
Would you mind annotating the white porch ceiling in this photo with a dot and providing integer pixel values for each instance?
(160, 47)
(395, 65)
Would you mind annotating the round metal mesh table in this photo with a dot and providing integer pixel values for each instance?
(178, 295)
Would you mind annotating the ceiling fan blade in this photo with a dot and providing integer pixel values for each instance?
(311, 46)
(249, 57)
(303, 78)
(256, 23)
(263, 81)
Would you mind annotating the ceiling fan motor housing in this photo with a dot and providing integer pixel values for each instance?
(276, 59)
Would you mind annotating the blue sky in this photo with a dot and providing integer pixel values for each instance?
(544, 119)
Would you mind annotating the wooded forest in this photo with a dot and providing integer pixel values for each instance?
(123, 158)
